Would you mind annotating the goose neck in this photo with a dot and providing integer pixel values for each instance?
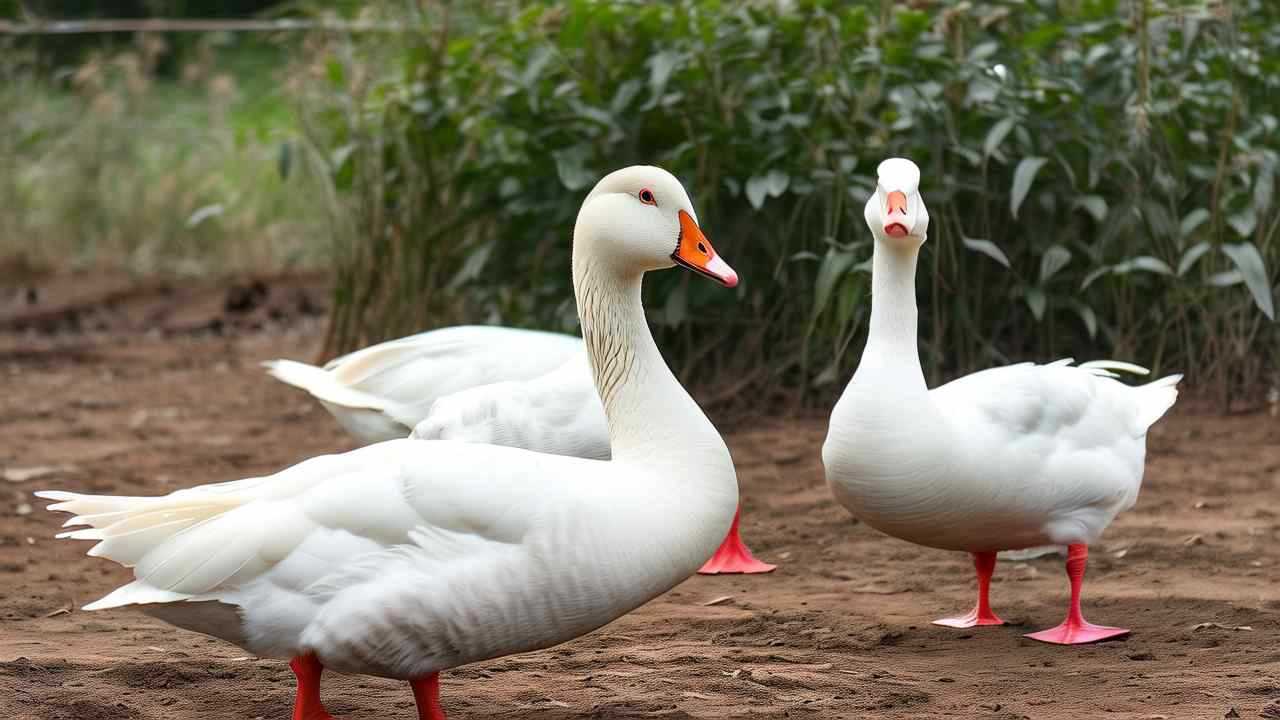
(892, 336)
(652, 419)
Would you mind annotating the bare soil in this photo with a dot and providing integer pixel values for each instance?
(145, 392)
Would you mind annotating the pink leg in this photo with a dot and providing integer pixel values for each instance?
(426, 692)
(306, 704)
(733, 556)
(985, 564)
(1075, 630)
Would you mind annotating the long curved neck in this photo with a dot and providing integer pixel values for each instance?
(892, 348)
(652, 420)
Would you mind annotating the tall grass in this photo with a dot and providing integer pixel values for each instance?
(109, 163)
(1100, 174)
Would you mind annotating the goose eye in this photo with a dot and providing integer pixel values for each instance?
(647, 198)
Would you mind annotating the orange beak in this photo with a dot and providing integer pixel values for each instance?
(694, 251)
(897, 203)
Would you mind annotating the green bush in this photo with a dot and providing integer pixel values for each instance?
(1100, 174)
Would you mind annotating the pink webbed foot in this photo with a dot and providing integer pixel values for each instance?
(973, 618)
(733, 556)
(984, 563)
(1075, 630)
(1077, 633)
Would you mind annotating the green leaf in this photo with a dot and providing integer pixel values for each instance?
(771, 184)
(1145, 263)
(1094, 275)
(1037, 301)
(1243, 222)
(834, 266)
(1088, 317)
(984, 50)
(1249, 262)
(1095, 205)
(1023, 176)
(571, 167)
(1192, 220)
(1225, 279)
(1192, 255)
(986, 247)
(1053, 260)
(996, 135)
(1264, 187)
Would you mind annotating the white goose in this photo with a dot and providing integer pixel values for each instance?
(381, 392)
(408, 557)
(480, 384)
(1007, 458)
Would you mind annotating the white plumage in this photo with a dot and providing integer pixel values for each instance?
(1004, 459)
(407, 557)
(381, 392)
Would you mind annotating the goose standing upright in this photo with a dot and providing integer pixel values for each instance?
(409, 557)
(1003, 459)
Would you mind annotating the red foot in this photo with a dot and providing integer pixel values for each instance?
(1077, 633)
(733, 556)
(984, 564)
(426, 692)
(973, 618)
(306, 703)
(1075, 630)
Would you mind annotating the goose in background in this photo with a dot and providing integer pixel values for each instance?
(381, 392)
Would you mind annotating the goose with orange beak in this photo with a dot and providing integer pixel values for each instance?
(407, 558)
(509, 387)
(1004, 459)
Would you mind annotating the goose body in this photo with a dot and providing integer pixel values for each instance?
(383, 391)
(558, 412)
(408, 557)
(489, 400)
(1004, 459)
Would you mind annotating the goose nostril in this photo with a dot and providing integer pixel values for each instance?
(702, 248)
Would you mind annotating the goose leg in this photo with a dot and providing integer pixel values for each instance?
(985, 565)
(733, 556)
(1075, 630)
(426, 692)
(306, 703)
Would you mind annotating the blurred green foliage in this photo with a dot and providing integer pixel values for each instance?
(1100, 174)
(108, 163)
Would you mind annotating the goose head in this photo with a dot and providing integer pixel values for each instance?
(640, 218)
(895, 212)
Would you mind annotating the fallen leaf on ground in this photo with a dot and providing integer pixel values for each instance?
(1220, 626)
(23, 474)
(719, 601)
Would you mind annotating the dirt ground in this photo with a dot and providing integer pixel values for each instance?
(143, 394)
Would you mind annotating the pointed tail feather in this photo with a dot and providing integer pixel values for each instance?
(1156, 398)
(127, 528)
(322, 384)
(1106, 366)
